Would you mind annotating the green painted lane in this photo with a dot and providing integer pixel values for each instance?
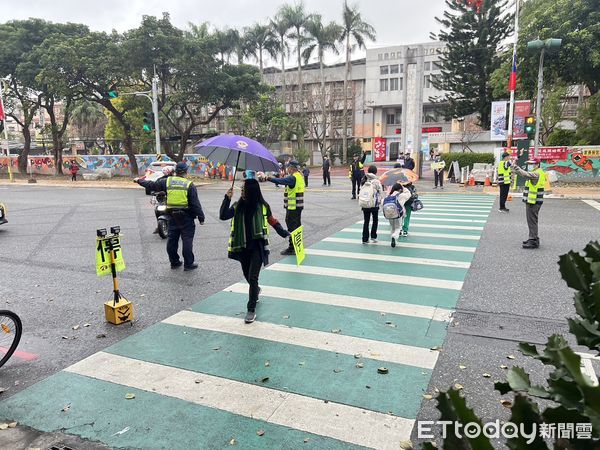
(415, 331)
(417, 295)
(415, 226)
(383, 233)
(384, 251)
(99, 411)
(301, 370)
(382, 266)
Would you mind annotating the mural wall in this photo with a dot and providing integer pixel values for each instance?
(578, 164)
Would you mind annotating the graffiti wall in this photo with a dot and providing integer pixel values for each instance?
(578, 164)
(44, 165)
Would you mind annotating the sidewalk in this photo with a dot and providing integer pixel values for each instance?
(65, 181)
(340, 356)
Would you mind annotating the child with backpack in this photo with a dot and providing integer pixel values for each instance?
(369, 198)
(394, 209)
(412, 204)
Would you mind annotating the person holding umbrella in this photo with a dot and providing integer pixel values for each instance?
(249, 239)
(293, 199)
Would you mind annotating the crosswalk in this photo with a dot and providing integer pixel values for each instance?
(309, 372)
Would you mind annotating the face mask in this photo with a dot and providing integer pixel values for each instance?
(530, 167)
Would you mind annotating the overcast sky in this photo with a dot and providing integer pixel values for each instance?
(396, 21)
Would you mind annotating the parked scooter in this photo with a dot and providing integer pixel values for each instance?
(159, 201)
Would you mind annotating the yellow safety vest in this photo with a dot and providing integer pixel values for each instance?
(504, 173)
(293, 198)
(533, 194)
(265, 232)
(177, 192)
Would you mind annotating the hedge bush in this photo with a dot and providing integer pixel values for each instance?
(467, 159)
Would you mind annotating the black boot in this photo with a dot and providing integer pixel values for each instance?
(533, 243)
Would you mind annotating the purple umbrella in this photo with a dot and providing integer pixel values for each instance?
(239, 151)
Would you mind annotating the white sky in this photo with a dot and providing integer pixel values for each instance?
(396, 21)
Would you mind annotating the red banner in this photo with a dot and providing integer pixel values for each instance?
(379, 149)
(554, 153)
(522, 110)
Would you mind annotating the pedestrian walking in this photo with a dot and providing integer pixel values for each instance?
(73, 168)
(504, 180)
(183, 206)
(395, 209)
(326, 171)
(408, 206)
(533, 196)
(293, 199)
(356, 173)
(438, 170)
(249, 238)
(369, 200)
(305, 174)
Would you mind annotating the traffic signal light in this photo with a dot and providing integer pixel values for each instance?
(530, 127)
(110, 94)
(148, 121)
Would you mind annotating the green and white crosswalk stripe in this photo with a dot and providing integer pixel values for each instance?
(306, 373)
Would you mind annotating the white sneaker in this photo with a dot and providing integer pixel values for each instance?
(374, 241)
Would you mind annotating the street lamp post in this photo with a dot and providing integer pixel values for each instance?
(547, 45)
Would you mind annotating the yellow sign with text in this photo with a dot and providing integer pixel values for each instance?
(298, 241)
(104, 247)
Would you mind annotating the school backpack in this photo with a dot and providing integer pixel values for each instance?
(368, 195)
(391, 208)
(417, 205)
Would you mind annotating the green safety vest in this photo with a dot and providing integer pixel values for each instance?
(293, 198)
(238, 243)
(177, 192)
(534, 193)
(504, 173)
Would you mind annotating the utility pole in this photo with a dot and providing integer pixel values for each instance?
(512, 85)
(155, 112)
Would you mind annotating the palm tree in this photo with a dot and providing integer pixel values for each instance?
(296, 18)
(87, 117)
(227, 41)
(281, 27)
(261, 38)
(357, 30)
(321, 38)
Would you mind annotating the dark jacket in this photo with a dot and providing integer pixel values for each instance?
(194, 206)
(409, 163)
(326, 165)
(357, 169)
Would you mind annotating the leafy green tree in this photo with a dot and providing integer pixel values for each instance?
(355, 34)
(88, 121)
(560, 136)
(261, 39)
(473, 38)
(588, 122)
(133, 113)
(281, 28)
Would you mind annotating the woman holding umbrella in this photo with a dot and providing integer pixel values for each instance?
(249, 239)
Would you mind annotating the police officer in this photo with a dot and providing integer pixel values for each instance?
(409, 163)
(293, 199)
(356, 173)
(504, 180)
(533, 196)
(183, 207)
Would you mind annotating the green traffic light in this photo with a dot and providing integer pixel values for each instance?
(147, 128)
(113, 94)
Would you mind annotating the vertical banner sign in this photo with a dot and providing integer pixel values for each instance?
(522, 110)
(298, 241)
(379, 149)
(498, 121)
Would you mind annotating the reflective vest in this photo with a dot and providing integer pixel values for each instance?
(293, 198)
(504, 173)
(534, 193)
(359, 166)
(264, 235)
(177, 192)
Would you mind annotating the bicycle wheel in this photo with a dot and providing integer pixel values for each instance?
(10, 334)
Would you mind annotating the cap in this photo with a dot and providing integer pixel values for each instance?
(181, 167)
(505, 154)
(294, 164)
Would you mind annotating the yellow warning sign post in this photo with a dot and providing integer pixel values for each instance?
(109, 260)
(298, 241)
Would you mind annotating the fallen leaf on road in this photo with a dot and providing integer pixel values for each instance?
(383, 314)
(301, 363)
(3, 426)
(264, 379)
(458, 386)
(76, 327)
(511, 356)
(12, 425)
(197, 381)
(503, 366)
(336, 330)
(86, 325)
(306, 440)
(436, 348)
(267, 363)
(66, 408)
(357, 355)
(260, 432)
(123, 431)
(427, 396)
(286, 317)
(216, 349)
(232, 442)
(142, 295)
(506, 403)
(360, 365)
(388, 322)
(368, 387)
(461, 367)
(65, 337)
(2, 390)
(383, 370)
(406, 445)
(337, 370)
(486, 375)
(100, 336)
(129, 396)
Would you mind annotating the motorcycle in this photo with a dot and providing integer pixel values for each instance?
(159, 201)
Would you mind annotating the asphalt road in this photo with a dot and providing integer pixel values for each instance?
(47, 272)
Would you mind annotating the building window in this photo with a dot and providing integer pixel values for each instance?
(393, 69)
(393, 84)
(380, 56)
(426, 82)
(383, 85)
(399, 55)
(427, 66)
(391, 119)
(384, 70)
(436, 65)
(400, 84)
(401, 68)
(386, 56)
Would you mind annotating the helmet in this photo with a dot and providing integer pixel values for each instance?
(181, 167)
(168, 170)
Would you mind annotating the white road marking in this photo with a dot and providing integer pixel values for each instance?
(450, 248)
(369, 276)
(337, 343)
(445, 227)
(387, 258)
(311, 415)
(348, 301)
(592, 203)
(440, 219)
(418, 234)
